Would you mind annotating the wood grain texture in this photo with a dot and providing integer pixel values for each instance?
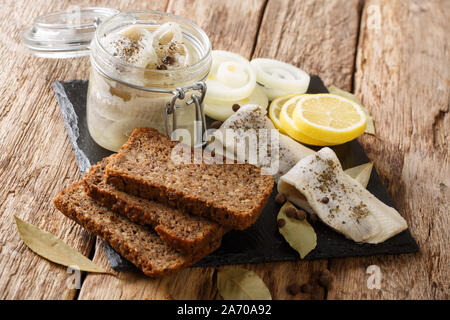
(402, 76)
(317, 36)
(36, 159)
(36, 162)
(191, 283)
(230, 25)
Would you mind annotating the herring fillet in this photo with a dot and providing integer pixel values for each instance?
(286, 185)
(351, 209)
(253, 117)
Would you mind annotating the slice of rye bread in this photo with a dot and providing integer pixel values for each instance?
(136, 243)
(183, 231)
(231, 194)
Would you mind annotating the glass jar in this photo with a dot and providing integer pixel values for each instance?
(122, 96)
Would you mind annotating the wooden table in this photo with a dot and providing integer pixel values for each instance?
(393, 54)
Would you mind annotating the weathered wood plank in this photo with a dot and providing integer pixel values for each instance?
(223, 21)
(32, 169)
(402, 76)
(191, 283)
(36, 159)
(230, 25)
(318, 36)
(307, 34)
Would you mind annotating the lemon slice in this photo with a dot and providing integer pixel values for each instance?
(329, 117)
(275, 109)
(288, 124)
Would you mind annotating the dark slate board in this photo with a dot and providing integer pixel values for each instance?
(261, 242)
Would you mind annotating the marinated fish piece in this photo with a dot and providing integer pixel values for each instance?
(231, 136)
(152, 47)
(286, 186)
(114, 108)
(340, 201)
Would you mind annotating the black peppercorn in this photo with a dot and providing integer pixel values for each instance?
(216, 125)
(294, 289)
(168, 60)
(280, 198)
(281, 223)
(325, 278)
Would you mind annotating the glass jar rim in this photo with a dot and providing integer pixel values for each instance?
(204, 36)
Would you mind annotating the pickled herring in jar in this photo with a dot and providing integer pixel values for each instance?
(152, 47)
(138, 60)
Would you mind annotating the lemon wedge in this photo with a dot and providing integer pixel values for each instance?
(288, 125)
(329, 117)
(275, 109)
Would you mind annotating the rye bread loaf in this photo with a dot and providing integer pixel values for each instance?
(231, 194)
(136, 243)
(183, 231)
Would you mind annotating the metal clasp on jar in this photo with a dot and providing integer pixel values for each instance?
(180, 93)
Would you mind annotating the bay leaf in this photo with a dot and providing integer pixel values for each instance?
(51, 248)
(298, 233)
(370, 127)
(236, 283)
(361, 173)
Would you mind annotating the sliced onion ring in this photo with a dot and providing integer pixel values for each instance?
(221, 110)
(272, 94)
(225, 90)
(167, 33)
(279, 75)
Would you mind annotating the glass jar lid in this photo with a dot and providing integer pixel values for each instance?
(65, 34)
